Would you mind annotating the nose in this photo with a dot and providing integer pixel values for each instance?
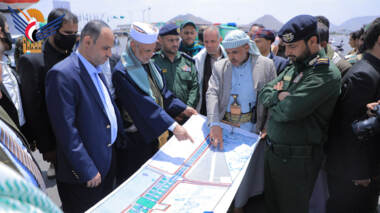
(109, 53)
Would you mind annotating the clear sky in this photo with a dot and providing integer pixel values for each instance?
(240, 11)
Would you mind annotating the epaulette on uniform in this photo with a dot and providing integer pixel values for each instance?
(187, 56)
(322, 61)
(158, 53)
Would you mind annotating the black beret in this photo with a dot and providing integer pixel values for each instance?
(169, 29)
(298, 28)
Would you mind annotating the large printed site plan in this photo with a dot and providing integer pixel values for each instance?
(186, 177)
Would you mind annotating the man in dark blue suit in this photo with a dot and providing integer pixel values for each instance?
(85, 121)
(148, 108)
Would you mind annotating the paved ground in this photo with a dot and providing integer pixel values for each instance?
(51, 186)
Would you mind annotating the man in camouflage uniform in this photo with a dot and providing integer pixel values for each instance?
(301, 102)
(178, 68)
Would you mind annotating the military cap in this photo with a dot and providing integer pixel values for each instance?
(186, 23)
(264, 33)
(169, 29)
(298, 28)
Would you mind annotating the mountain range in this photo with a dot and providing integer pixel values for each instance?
(191, 17)
(353, 24)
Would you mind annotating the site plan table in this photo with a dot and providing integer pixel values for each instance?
(186, 177)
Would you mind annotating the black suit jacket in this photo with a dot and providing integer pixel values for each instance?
(33, 69)
(348, 157)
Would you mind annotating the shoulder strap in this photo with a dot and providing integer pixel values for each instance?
(187, 57)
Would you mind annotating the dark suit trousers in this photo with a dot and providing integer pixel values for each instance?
(129, 160)
(79, 198)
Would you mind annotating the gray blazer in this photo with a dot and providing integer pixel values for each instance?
(219, 89)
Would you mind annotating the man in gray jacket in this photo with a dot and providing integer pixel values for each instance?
(232, 98)
(205, 60)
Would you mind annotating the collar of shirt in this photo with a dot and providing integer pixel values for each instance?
(243, 66)
(103, 93)
(373, 60)
(4, 60)
(213, 60)
(177, 56)
(91, 69)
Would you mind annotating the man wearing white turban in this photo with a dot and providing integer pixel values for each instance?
(148, 108)
(232, 98)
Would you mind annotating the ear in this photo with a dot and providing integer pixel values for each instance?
(246, 47)
(159, 40)
(133, 44)
(312, 41)
(87, 41)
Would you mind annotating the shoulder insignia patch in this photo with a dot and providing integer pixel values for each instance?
(321, 61)
(187, 57)
(313, 61)
(157, 54)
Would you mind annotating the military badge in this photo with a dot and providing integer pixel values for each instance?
(164, 70)
(186, 68)
(288, 37)
(287, 78)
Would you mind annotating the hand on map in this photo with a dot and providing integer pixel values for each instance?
(181, 133)
(216, 136)
(94, 182)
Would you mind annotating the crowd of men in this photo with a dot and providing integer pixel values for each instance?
(97, 117)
